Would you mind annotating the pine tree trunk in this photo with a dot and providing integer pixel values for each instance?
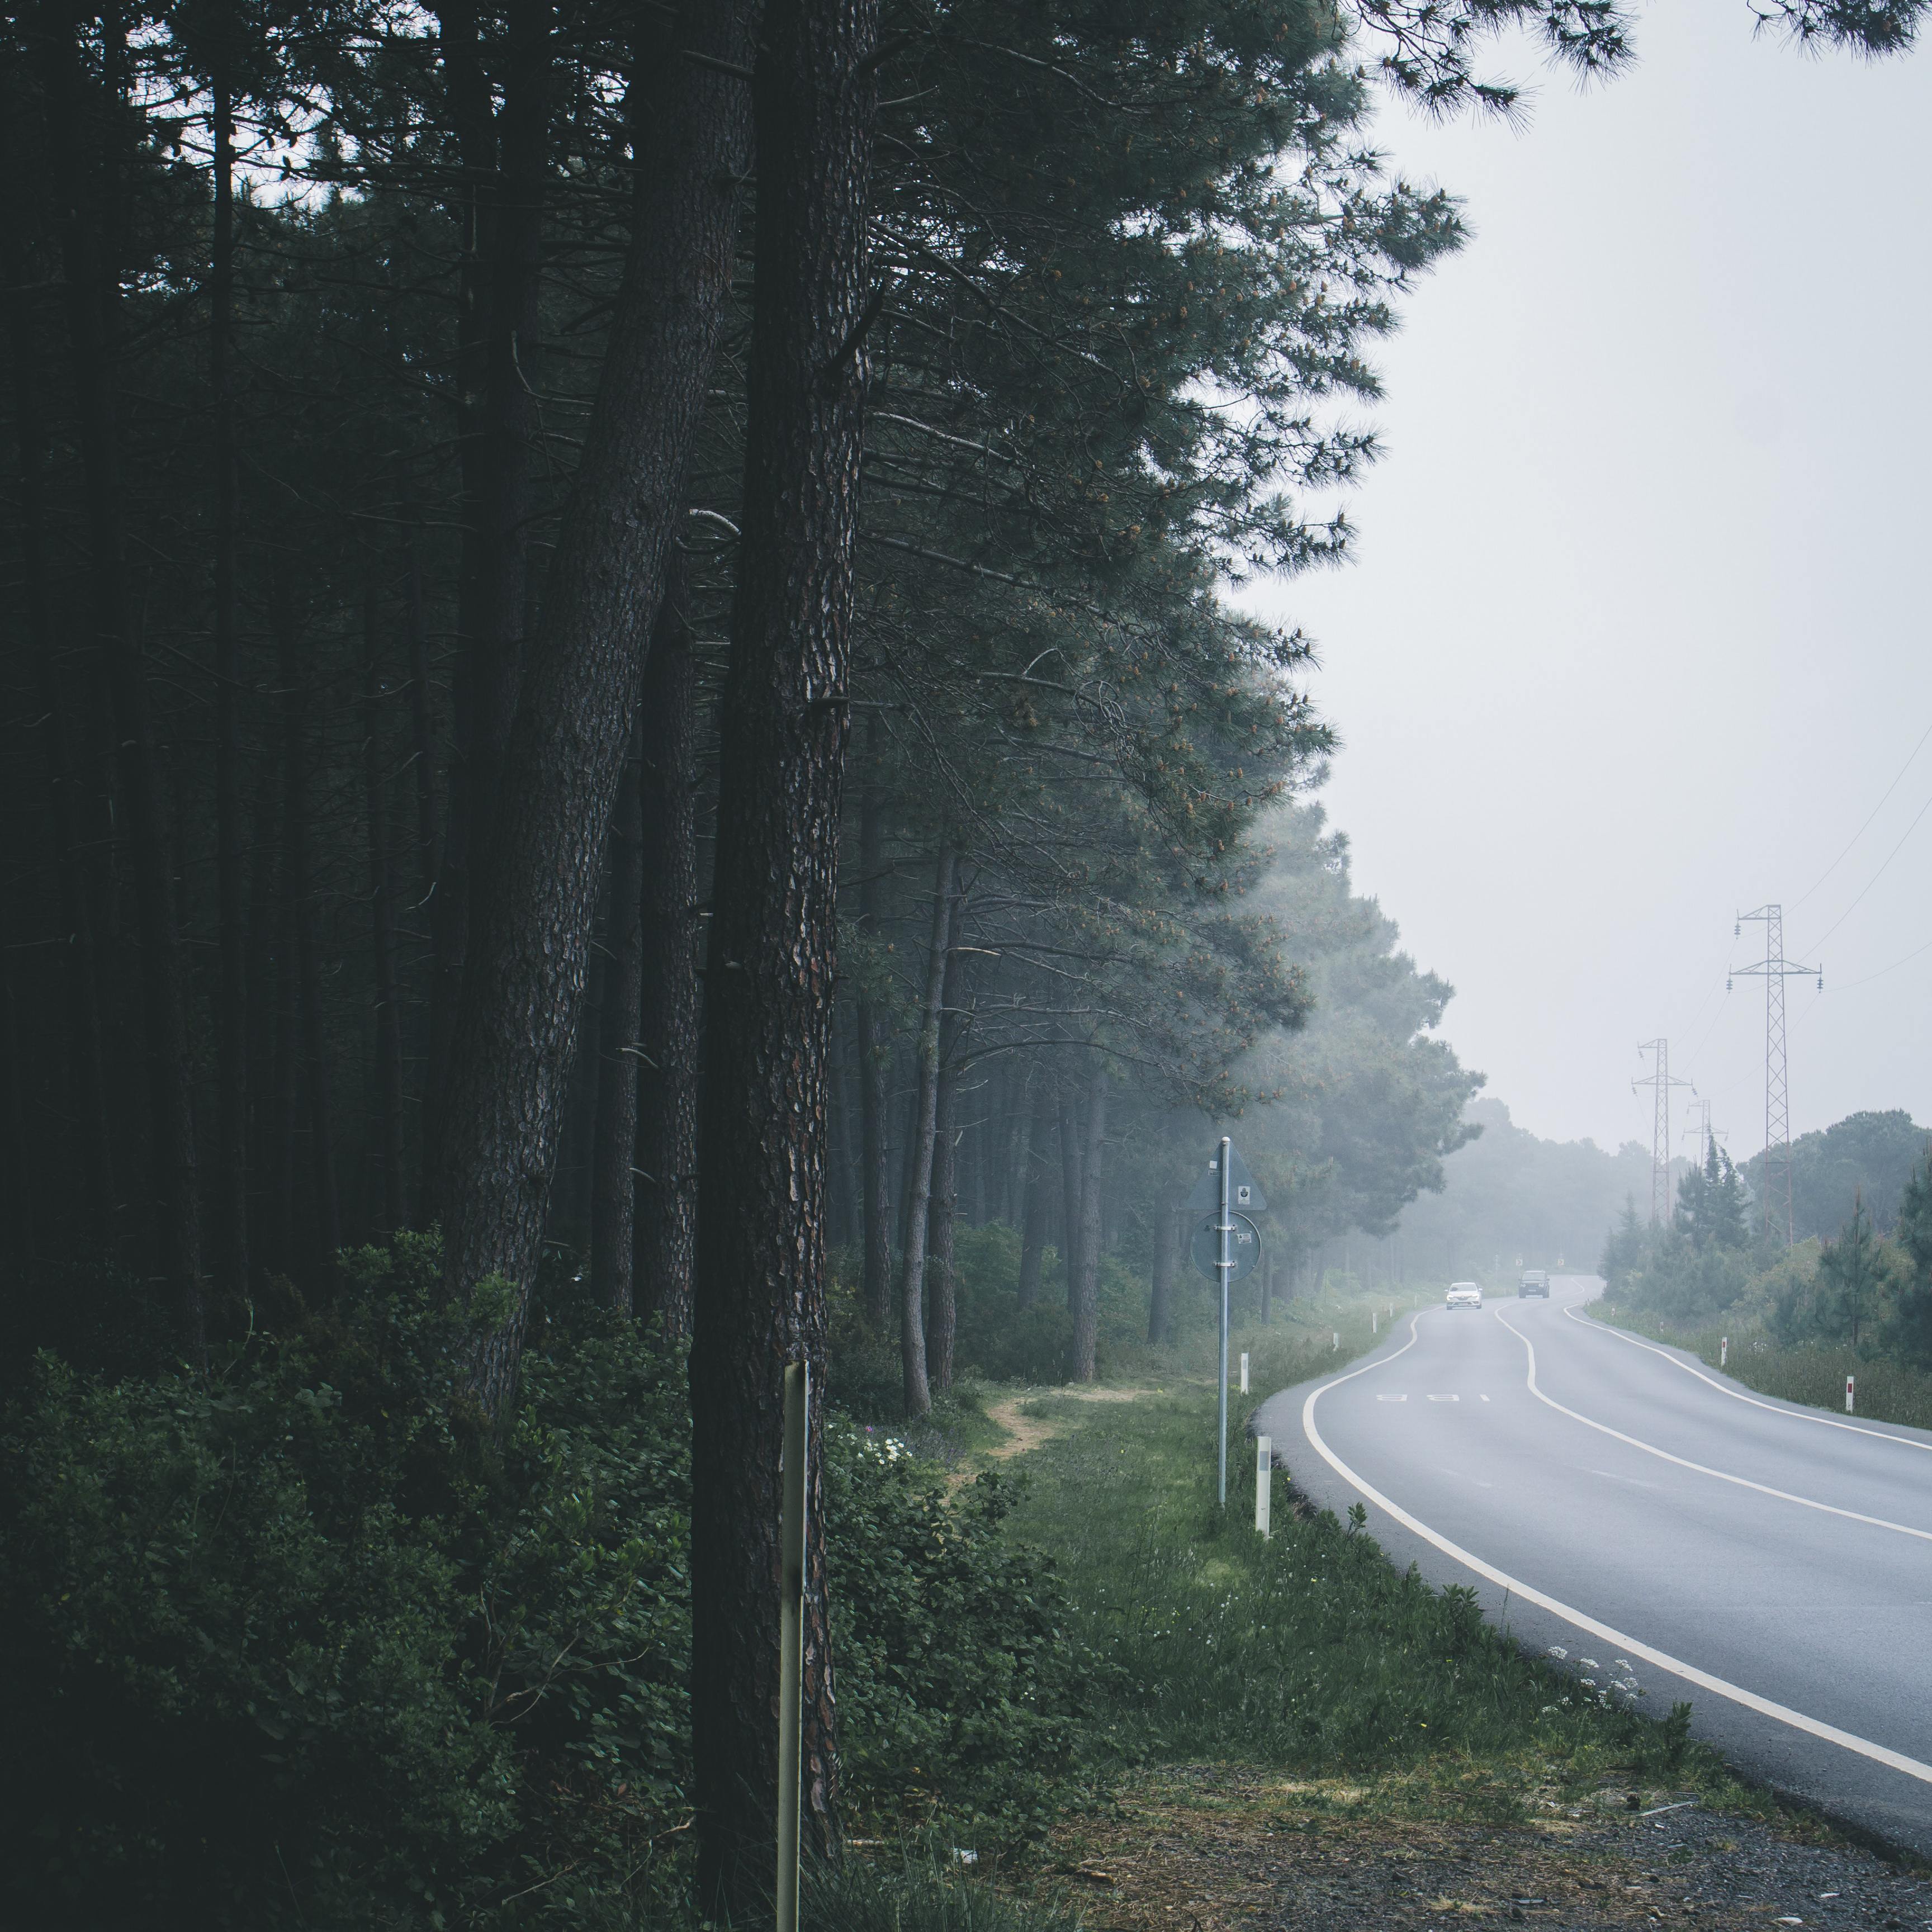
(874, 1066)
(89, 187)
(16, 1236)
(769, 981)
(914, 1366)
(390, 1137)
(264, 985)
(1034, 1193)
(666, 1157)
(523, 982)
(613, 1190)
(1070, 1151)
(94, 1157)
(942, 1313)
(1160, 1310)
(307, 966)
(231, 1026)
(1086, 1309)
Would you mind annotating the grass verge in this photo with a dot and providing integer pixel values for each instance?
(1814, 1375)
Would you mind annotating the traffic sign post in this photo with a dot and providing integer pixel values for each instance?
(1226, 1186)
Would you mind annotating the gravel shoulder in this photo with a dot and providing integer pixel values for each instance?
(1207, 1848)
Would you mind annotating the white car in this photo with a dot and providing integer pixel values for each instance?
(1463, 1295)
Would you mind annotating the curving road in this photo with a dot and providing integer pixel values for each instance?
(1772, 1565)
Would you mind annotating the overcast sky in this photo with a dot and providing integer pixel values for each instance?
(1636, 634)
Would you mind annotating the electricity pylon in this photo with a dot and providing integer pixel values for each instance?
(1660, 1080)
(1699, 1130)
(1774, 969)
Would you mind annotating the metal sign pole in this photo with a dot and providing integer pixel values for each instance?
(1224, 1268)
(791, 1631)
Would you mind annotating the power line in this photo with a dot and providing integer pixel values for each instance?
(1863, 829)
(1892, 968)
(1877, 876)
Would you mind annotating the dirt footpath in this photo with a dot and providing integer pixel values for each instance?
(1207, 1850)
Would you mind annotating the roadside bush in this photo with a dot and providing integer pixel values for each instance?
(296, 1644)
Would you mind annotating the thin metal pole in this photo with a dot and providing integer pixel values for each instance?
(791, 1631)
(1225, 1268)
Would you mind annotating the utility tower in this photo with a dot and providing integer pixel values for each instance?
(1660, 1080)
(1774, 969)
(1699, 1129)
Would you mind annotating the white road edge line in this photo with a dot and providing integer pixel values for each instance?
(1703, 1469)
(1735, 1693)
(1710, 1382)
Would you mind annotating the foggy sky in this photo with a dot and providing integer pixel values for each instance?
(1637, 633)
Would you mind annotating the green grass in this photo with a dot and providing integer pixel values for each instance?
(1887, 1391)
(1308, 1653)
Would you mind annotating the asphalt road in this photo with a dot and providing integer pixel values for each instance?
(1768, 1563)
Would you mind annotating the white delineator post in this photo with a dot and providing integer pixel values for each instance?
(1723, 1350)
(1337, 1342)
(1263, 1488)
(1244, 1372)
(1849, 1409)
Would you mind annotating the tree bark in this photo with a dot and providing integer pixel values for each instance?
(522, 983)
(874, 1066)
(92, 275)
(665, 1241)
(942, 1312)
(390, 1138)
(1086, 1308)
(1070, 1192)
(231, 1029)
(1160, 1303)
(769, 983)
(914, 1367)
(614, 1191)
(94, 1156)
(264, 986)
(306, 967)
(1034, 1213)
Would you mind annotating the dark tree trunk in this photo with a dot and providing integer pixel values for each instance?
(88, 188)
(1035, 1190)
(79, 978)
(1070, 1224)
(1086, 1309)
(1160, 1305)
(231, 1026)
(422, 737)
(666, 1159)
(16, 1185)
(874, 1064)
(505, 154)
(383, 923)
(920, 1145)
(942, 1312)
(306, 967)
(264, 984)
(283, 1117)
(613, 1192)
(769, 980)
(522, 983)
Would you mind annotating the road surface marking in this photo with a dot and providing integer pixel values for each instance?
(1445, 1398)
(1391, 1398)
(1486, 1398)
(1704, 1468)
(1783, 1713)
(1793, 1415)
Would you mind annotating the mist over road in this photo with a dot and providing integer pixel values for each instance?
(1765, 1561)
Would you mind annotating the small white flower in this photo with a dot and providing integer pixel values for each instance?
(1557, 1650)
(1589, 1664)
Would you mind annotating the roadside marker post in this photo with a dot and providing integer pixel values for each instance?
(1723, 1350)
(1336, 1344)
(1263, 1488)
(1228, 1192)
(1849, 1409)
(791, 1631)
(1375, 1327)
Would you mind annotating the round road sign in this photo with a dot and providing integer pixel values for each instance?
(1244, 1246)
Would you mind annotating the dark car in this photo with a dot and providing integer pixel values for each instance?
(1534, 1282)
